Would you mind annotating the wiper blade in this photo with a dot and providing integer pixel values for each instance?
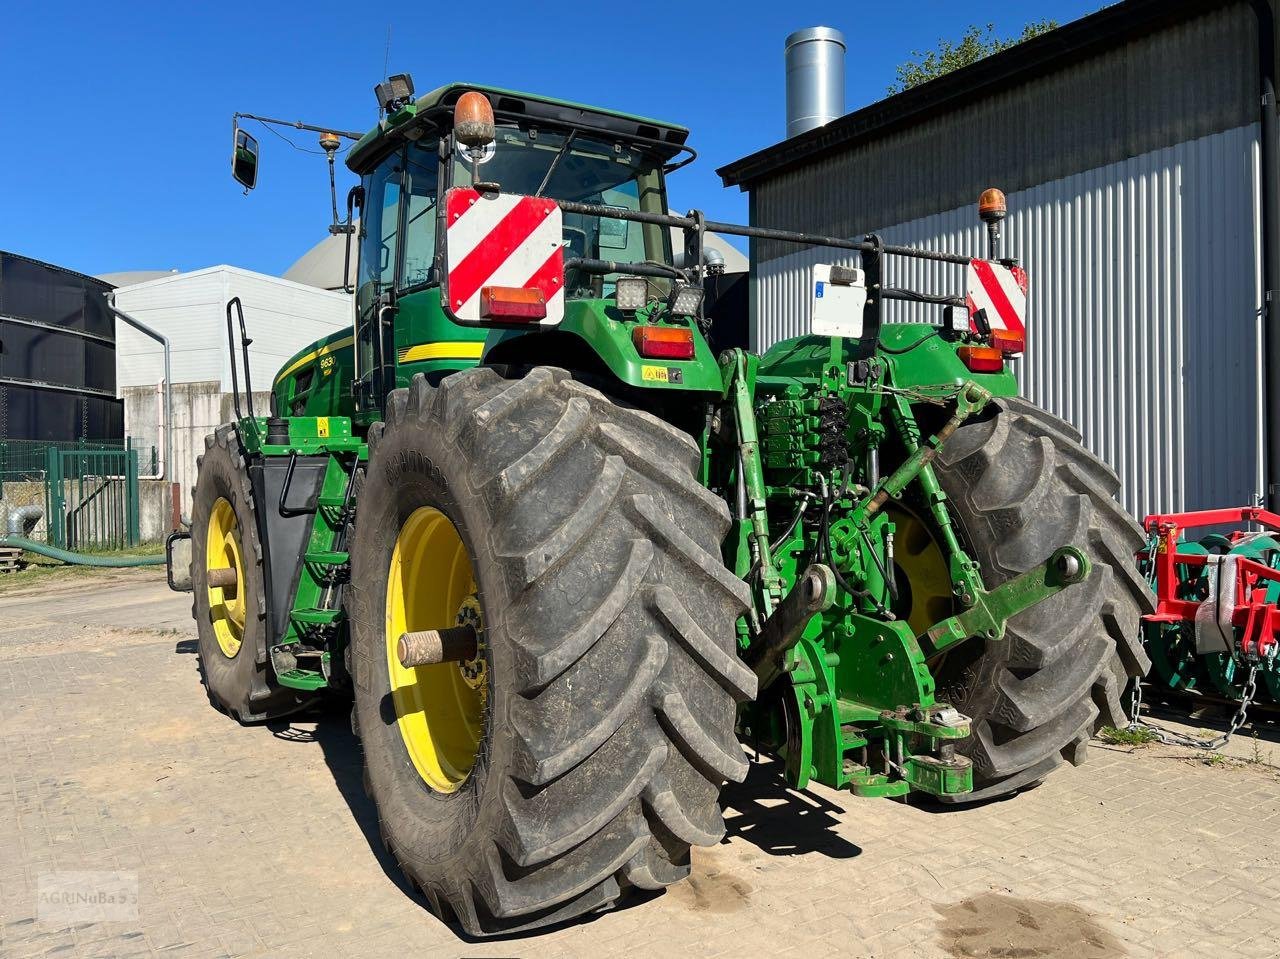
(564, 148)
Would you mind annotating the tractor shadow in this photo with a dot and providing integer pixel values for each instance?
(342, 754)
(341, 751)
(764, 811)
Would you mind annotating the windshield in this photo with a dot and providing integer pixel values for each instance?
(573, 166)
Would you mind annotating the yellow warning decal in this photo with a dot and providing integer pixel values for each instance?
(654, 374)
(322, 426)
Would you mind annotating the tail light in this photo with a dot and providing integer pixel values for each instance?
(512, 303)
(663, 342)
(982, 359)
(1009, 341)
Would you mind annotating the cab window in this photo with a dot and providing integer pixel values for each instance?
(379, 252)
(422, 167)
(585, 168)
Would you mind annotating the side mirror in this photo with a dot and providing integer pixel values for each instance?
(244, 159)
(177, 560)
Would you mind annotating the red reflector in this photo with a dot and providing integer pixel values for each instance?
(1009, 341)
(982, 359)
(512, 303)
(663, 342)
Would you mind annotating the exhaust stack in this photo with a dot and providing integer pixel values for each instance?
(815, 78)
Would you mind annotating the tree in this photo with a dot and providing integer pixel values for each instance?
(972, 46)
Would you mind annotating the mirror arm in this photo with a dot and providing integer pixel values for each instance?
(297, 125)
(354, 195)
(333, 195)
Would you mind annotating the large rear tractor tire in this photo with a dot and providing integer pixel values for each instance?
(582, 748)
(1021, 484)
(231, 619)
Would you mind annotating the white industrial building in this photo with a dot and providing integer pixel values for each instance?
(1130, 144)
(281, 317)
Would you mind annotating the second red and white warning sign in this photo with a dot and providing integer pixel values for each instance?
(1000, 293)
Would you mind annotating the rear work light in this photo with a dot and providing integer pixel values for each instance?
(663, 342)
(982, 359)
(631, 293)
(512, 303)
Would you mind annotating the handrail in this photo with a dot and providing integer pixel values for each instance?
(244, 347)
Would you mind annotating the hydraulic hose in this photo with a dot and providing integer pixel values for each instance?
(79, 559)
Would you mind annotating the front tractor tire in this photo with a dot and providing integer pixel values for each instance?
(231, 616)
(583, 747)
(1020, 484)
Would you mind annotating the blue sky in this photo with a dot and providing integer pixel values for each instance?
(117, 117)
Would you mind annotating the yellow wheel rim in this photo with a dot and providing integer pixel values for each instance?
(440, 708)
(226, 603)
(924, 578)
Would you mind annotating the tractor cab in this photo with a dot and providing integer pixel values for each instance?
(539, 148)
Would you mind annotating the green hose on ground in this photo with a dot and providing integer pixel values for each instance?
(80, 559)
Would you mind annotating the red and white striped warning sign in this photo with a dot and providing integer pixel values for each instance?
(501, 240)
(1001, 292)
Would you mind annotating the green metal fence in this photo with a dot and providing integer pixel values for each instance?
(88, 492)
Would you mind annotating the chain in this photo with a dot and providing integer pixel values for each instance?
(1135, 696)
(1168, 736)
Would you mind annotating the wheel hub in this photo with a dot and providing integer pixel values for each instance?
(440, 708)
(924, 579)
(474, 671)
(223, 552)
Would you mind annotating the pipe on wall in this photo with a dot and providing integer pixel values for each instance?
(23, 519)
(168, 379)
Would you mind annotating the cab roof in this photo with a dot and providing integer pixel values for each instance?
(434, 110)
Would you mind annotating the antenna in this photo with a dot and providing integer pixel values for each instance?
(386, 57)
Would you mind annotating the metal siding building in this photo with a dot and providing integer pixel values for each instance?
(1128, 146)
(190, 308)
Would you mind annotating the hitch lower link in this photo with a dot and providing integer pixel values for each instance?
(992, 609)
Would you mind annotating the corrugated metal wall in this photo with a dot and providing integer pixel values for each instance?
(1143, 311)
(1189, 80)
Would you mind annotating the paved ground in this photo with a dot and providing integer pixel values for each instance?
(259, 841)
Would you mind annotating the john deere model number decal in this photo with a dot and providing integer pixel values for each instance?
(661, 374)
(326, 365)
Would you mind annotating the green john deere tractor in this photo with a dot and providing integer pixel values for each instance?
(566, 550)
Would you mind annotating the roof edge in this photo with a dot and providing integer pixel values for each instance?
(54, 266)
(225, 268)
(1101, 30)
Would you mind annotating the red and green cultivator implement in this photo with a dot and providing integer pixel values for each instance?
(1214, 630)
(565, 546)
